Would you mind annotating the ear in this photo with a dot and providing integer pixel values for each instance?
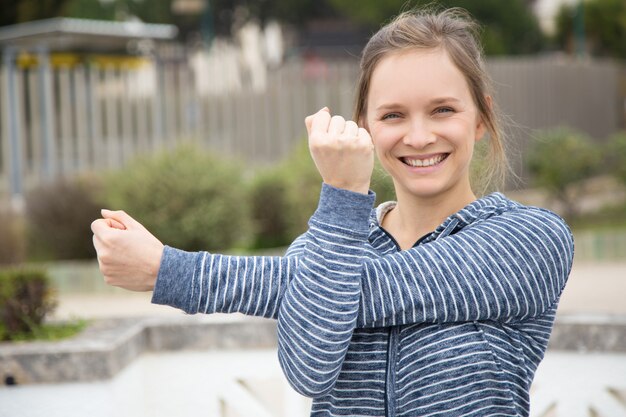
(481, 129)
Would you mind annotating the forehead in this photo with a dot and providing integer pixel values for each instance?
(416, 75)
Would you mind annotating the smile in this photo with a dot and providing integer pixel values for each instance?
(425, 162)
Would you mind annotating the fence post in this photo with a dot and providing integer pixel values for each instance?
(14, 134)
(46, 113)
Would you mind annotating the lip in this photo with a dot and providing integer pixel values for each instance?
(424, 169)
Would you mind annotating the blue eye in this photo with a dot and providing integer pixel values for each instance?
(390, 116)
(444, 110)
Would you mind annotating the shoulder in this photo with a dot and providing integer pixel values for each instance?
(499, 212)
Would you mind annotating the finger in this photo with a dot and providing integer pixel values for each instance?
(115, 224)
(351, 129)
(99, 226)
(97, 244)
(365, 136)
(308, 122)
(320, 121)
(337, 125)
(121, 217)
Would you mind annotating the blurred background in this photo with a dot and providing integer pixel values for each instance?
(188, 114)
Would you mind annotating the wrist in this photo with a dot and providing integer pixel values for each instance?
(362, 188)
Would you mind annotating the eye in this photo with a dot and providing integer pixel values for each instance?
(443, 110)
(390, 116)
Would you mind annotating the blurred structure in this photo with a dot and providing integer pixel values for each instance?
(69, 107)
(50, 80)
(546, 11)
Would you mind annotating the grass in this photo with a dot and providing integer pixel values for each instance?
(51, 331)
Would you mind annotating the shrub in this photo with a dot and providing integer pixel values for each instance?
(58, 217)
(269, 208)
(304, 184)
(12, 238)
(25, 299)
(616, 156)
(186, 197)
(560, 158)
(284, 197)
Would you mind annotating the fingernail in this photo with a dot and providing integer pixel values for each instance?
(325, 109)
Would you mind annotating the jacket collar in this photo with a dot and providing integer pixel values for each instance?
(480, 209)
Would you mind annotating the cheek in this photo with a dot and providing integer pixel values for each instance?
(461, 131)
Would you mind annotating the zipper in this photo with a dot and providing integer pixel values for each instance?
(390, 380)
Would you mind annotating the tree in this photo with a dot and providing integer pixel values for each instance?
(509, 26)
(604, 27)
(18, 11)
(616, 156)
(558, 160)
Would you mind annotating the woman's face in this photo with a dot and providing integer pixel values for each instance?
(424, 123)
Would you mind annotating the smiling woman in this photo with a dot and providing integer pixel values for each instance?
(437, 304)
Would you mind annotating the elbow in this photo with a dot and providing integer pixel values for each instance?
(309, 389)
(310, 384)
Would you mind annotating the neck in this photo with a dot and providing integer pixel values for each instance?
(414, 217)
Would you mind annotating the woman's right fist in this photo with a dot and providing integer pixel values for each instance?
(343, 152)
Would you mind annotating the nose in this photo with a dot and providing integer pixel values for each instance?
(419, 135)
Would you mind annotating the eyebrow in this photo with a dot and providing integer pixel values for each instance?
(436, 101)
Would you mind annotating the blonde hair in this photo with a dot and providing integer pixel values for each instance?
(454, 31)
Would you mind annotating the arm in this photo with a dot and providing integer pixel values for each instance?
(130, 257)
(319, 309)
(200, 282)
(508, 267)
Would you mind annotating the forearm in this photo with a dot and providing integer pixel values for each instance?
(319, 310)
(200, 282)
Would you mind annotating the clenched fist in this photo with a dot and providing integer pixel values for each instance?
(128, 255)
(342, 151)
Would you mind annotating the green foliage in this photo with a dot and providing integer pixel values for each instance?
(269, 207)
(58, 217)
(18, 11)
(560, 158)
(616, 156)
(603, 23)
(12, 238)
(187, 198)
(303, 185)
(284, 197)
(510, 27)
(382, 185)
(25, 300)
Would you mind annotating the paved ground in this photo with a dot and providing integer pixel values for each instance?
(596, 288)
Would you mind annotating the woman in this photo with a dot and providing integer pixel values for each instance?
(437, 304)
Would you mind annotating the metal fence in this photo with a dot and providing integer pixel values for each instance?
(62, 121)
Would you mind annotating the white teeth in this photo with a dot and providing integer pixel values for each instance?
(424, 162)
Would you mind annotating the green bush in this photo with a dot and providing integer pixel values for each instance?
(186, 197)
(25, 299)
(560, 158)
(12, 238)
(284, 197)
(616, 156)
(58, 217)
(269, 207)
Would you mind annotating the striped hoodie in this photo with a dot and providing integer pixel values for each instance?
(455, 326)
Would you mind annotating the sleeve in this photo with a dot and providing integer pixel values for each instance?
(200, 282)
(320, 307)
(509, 267)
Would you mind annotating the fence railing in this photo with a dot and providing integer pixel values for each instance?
(59, 122)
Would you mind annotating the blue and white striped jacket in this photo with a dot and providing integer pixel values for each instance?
(455, 326)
